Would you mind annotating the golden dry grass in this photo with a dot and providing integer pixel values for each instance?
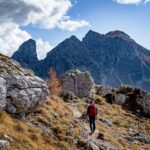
(57, 117)
(122, 122)
(29, 137)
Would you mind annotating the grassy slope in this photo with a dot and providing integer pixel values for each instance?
(123, 121)
(29, 136)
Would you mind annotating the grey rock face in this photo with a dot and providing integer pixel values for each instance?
(96, 145)
(71, 54)
(112, 59)
(66, 95)
(93, 145)
(104, 90)
(20, 90)
(107, 122)
(4, 144)
(119, 99)
(134, 99)
(137, 98)
(3, 91)
(80, 83)
(143, 100)
(26, 54)
(121, 59)
(139, 137)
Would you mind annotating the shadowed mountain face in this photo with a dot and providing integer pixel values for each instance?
(26, 54)
(70, 54)
(113, 59)
(122, 60)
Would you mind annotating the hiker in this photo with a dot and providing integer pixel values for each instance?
(92, 112)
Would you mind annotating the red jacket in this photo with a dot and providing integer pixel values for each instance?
(92, 110)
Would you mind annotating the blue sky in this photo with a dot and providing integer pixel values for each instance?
(103, 16)
(68, 18)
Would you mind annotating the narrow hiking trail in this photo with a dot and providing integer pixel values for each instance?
(88, 140)
(85, 135)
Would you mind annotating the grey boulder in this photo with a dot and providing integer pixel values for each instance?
(80, 83)
(20, 90)
(103, 90)
(119, 99)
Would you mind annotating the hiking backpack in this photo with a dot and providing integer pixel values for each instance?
(92, 111)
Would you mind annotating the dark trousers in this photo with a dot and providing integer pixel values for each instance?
(92, 123)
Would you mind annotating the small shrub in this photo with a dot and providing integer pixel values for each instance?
(53, 82)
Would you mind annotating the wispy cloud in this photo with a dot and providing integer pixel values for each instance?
(131, 1)
(46, 14)
(72, 25)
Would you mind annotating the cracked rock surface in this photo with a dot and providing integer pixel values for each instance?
(20, 90)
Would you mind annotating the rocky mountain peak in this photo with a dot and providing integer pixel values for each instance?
(26, 54)
(30, 41)
(72, 40)
(73, 37)
(118, 33)
(112, 58)
(93, 34)
(30, 45)
(67, 46)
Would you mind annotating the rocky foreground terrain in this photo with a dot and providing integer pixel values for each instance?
(33, 119)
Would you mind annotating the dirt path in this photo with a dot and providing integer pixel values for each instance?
(86, 132)
(86, 137)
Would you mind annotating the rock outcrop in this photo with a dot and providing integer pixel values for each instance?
(96, 145)
(133, 98)
(137, 99)
(80, 83)
(119, 99)
(138, 137)
(4, 144)
(20, 89)
(104, 90)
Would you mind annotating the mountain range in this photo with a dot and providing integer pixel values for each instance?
(112, 59)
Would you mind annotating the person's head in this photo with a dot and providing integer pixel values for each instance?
(92, 102)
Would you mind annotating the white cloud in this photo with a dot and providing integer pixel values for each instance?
(72, 25)
(41, 13)
(11, 37)
(131, 1)
(42, 48)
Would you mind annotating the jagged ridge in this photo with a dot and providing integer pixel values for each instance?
(113, 59)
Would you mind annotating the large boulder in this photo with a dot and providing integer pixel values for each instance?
(80, 83)
(119, 99)
(103, 90)
(20, 90)
(143, 100)
(136, 98)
